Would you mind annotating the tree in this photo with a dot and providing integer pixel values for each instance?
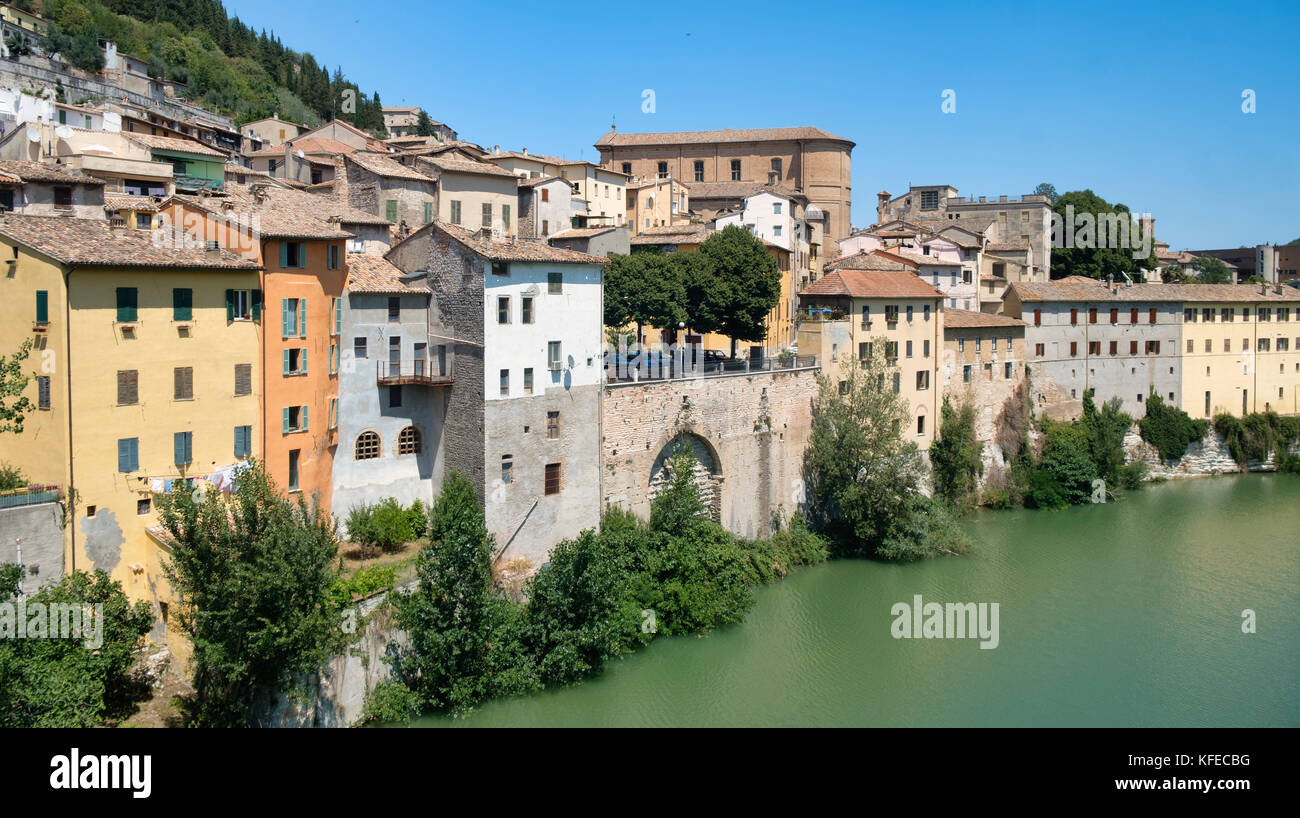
(1210, 270)
(862, 478)
(424, 125)
(1094, 261)
(1065, 473)
(255, 571)
(1173, 274)
(955, 456)
(12, 384)
(1105, 430)
(747, 275)
(1047, 189)
(61, 682)
(645, 289)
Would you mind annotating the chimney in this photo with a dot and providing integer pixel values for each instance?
(983, 199)
(485, 233)
(212, 249)
(1002, 198)
(525, 151)
(342, 190)
(496, 149)
(882, 200)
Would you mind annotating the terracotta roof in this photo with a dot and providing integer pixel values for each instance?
(172, 143)
(872, 260)
(376, 274)
(541, 180)
(320, 144)
(285, 212)
(871, 284)
(953, 317)
(517, 250)
(582, 232)
(380, 165)
(465, 166)
(144, 203)
(727, 135)
(740, 190)
(538, 157)
(91, 242)
(1014, 244)
(17, 171)
(633, 184)
(1080, 288)
(673, 234)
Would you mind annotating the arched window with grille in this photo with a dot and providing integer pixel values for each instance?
(367, 446)
(408, 442)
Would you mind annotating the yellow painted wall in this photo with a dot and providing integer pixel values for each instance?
(1243, 366)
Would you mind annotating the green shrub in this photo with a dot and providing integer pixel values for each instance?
(1170, 429)
(11, 477)
(955, 456)
(391, 703)
(386, 525)
(419, 516)
(1065, 473)
(1132, 475)
(929, 529)
(1288, 463)
(1255, 436)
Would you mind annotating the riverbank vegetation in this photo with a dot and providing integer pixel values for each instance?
(1259, 434)
(602, 594)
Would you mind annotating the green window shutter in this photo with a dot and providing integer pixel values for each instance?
(230, 305)
(302, 318)
(302, 254)
(126, 304)
(124, 454)
(390, 210)
(338, 316)
(284, 353)
(334, 349)
(284, 254)
(304, 418)
(239, 439)
(285, 418)
(505, 216)
(256, 299)
(428, 212)
(287, 326)
(183, 303)
(304, 360)
(42, 306)
(183, 447)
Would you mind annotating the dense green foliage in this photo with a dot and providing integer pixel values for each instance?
(747, 282)
(1065, 472)
(955, 455)
(256, 573)
(863, 480)
(1170, 429)
(363, 583)
(11, 477)
(1105, 430)
(1095, 261)
(644, 288)
(1255, 436)
(1210, 270)
(600, 595)
(13, 382)
(61, 682)
(385, 525)
(225, 63)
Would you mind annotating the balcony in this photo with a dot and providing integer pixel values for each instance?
(411, 373)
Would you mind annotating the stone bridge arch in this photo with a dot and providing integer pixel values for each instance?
(708, 470)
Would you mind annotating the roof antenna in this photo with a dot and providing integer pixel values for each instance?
(612, 128)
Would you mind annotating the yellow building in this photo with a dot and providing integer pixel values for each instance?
(146, 375)
(1240, 349)
(847, 311)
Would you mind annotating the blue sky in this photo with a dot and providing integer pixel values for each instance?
(1140, 102)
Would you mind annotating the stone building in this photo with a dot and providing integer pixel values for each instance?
(545, 207)
(404, 120)
(34, 189)
(393, 390)
(983, 363)
(523, 324)
(376, 184)
(809, 160)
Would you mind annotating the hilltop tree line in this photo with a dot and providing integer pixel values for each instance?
(226, 64)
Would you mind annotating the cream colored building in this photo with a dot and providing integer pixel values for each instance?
(846, 312)
(474, 195)
(599, 193)
(657, 203)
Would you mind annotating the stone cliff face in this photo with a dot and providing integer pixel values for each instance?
(1208, 456)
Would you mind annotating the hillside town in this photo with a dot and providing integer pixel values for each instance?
(367, 313)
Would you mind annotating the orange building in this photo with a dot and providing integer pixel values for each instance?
(301, 240)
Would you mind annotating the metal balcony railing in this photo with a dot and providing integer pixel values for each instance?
(411, 373)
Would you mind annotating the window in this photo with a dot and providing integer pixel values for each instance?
(662, 169)
(293, 469)
(243, 305)
(926, 312)
(243, 379)
(332, 257)
(126, 303)
(929, 200)
(965, 373)
(920, 425)
(428, 212)
(182, 304)
(42, 391)
(1038, 318)
(552, 478)
(394, 397)
(1207, 315)
(555, 283)
(1227, 345)
(505, 217)
(243, 441)
(1151, 316)
(182, 379)
(367, 446)
(528, 380)
(1153, 347)
(776, 229)
(1094, 347)
(1006, 370)
(1092, 315)
(1132, 347)
(923, 379)
(1264, 314)
(505, 382)
(1245, 344)
(554, 356)
(293, 254)
(735, 170)
(487, 214)
(42, 306)
(1263, 345)
(500, 268)
(143, 505)
(408, 441)
(526, 309)
(1191, 347)
(507, 468)
(62, 198)
(293, 361)
(1074, 348)
(455, 211)
(891, 313)
(776, 168)
(1114, 315)
(1038, 350)
(1133, 315)
(925, 348)
(1114, 347)
(552, 425)
(1074, 317)
(1227, 314)
(627, 169)
(128, 393)
(898, 382)
(1208, 345)
(390, 210)
(183, 448)
(293, 318)
(908, 348)
(503, 309)
(909, 313)
(128, 454)
(293, 419)
(699, 170)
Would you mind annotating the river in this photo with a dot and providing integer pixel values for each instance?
(1128, 614)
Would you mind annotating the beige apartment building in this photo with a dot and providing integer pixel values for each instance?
(599, 193)
(813, 162)
(983, 363)
(1241, 349)
(657, 203)
(846, 312)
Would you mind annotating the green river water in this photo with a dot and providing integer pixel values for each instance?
(1128, 614)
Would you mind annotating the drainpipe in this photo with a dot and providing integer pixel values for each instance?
(67, 368)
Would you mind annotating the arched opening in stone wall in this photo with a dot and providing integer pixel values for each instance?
(708, 472)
